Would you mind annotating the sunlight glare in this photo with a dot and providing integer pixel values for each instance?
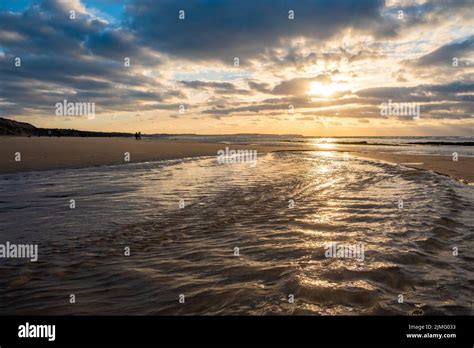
(319, 89)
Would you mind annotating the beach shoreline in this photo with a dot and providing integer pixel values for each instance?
(41, 153)
(461, 170)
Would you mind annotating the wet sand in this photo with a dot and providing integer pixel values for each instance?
(462, 169)
(53, 153)
(50, 153)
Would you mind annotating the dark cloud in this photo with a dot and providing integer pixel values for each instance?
(444, 55)
(223, 30)
(219, 87)
(261, 87)
(422, 93)
(45, 28)
(79, 59)
(429, 13)
(117, 43)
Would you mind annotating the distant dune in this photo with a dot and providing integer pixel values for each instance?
(14, 128)
(9, 127)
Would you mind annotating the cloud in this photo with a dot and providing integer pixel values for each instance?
(450, 101)
(260, 86)
(444, 55)
(357, 44)
(219, 87)
(46, 28)
(421, 93)
(222, 30)
(75, 59)
(298, 86)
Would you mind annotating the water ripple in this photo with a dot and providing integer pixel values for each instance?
(191, 251)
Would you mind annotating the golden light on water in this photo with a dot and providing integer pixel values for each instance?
(325, 153)
(326, 144)
(323, 169)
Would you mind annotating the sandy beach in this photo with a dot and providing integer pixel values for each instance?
(74, 152)
(71, 152)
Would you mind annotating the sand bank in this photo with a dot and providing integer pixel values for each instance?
(462, 169)
(74, 152)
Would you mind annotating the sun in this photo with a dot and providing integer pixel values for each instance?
(318, 89)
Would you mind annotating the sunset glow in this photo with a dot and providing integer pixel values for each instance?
(251, 66)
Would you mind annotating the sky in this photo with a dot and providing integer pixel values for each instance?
(310, 67)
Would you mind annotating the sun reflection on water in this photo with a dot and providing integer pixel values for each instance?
(325, 143)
